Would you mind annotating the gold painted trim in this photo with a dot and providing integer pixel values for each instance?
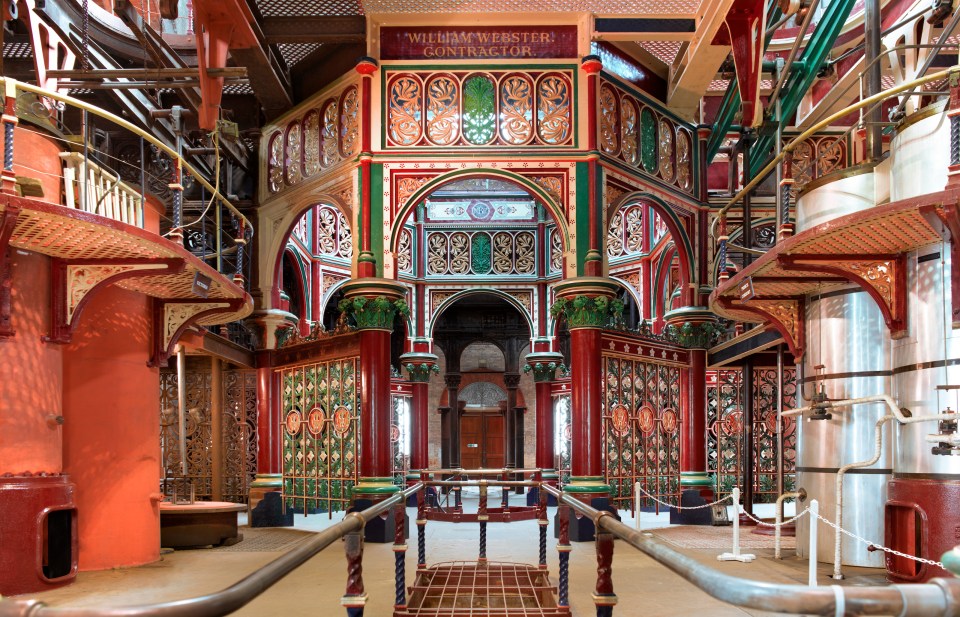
(922, 114)
(840, 174)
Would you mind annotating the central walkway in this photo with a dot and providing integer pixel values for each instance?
(642, 586)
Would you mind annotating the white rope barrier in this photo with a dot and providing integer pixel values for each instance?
(736, 555)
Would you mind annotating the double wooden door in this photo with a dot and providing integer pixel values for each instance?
(482, 441)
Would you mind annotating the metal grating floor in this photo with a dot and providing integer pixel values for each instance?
(484, 589)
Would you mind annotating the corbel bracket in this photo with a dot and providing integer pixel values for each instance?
(945, 220)
(884, 277)
(8, 220)
(785, 315)
(174, 317)
(75, 281)
(745, 29)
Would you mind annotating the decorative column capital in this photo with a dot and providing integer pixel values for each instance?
(511, 380)
(374, 302)
(587, 301)
(694, 327)
(544, 365)
(419, 365)
(367, 65)
(591, 64)
(452, 380)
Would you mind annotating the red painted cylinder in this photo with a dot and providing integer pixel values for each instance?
(268, 422)
(693, 447)
(545, 429)
(376, 453)
(920, 519)
(586, 379)
(419, 437)
(38, 533)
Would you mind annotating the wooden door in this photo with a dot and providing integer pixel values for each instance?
(482, 441)
(471, 441)
(493, 443)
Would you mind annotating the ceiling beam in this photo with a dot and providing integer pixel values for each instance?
(313, 29)
(696, 67)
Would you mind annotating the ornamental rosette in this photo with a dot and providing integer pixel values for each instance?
(373, 313)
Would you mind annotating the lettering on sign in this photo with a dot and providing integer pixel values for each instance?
(477, 43)
(746, 289)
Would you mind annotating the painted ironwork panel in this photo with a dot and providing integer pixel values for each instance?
(323, 135)
(238, 464)
(563, 437)
(726, 446)
(647, 139)
(400, 436)
(320, 409)
(815, 157)
(469, 108)
(462, 253)
(641, 429)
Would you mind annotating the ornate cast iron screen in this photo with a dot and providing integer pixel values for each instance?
(239, 459)
(401, 395)
(726, 445)
(562, 418)
(641, 429)
(320, 428)
(474, 108)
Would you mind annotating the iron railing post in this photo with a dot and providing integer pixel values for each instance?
(482, 518)
(400, 555)
(603, 596)
(542, 522)
(563, 548)
(355, 598)
(422, 523)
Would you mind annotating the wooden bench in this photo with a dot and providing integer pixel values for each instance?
(202, 523)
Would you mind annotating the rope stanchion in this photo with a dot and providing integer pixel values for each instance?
(814, 510)
(638, 489)
(736, 555)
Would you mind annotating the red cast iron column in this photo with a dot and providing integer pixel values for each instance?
(420, 366)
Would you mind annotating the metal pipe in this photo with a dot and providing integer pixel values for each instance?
(876, 398)
(233, 597)
(801, 35)
(801, 494)
(481, 472)
(462, 483)
(871, 28)
(946, 34)
(838, 514)
(924, 600)
(182, 407)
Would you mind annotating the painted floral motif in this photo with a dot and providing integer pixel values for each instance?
(479, 110)
(275, 163)
(684, 173)
(615, 235)
(609, 142)
(459, 253)
(553, 115)
(311, 143)
(404, 111)
(349, 123)
(516, 110)
(525, 254)
(292, 162)
(443, 122)
(633, 222)
(628, 131)
(556, 251)
(437, 254)
(480, 258)
(405, 252)
(666, 151)
(648, 140)
(502, 253)
(331, 150)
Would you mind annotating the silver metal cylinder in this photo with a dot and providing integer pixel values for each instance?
(847, 335)
(920, 154)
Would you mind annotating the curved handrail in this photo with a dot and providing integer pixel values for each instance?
(233, 597)
(11, 85)
(934, 599)
(880, 96)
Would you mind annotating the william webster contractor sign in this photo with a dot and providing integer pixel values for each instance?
(476, 43)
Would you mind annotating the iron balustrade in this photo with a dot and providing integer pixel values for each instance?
(939, 598)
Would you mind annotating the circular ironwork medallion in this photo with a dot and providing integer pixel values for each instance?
(315, 419)
(568, 432)
(394, 433)
(293, 421)
(341, 421)
(669, 421)
(733, 422)
(620, 420)
(646, 419)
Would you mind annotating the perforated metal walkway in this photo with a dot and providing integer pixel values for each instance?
(484, 589)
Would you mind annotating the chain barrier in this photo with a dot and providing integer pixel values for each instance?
(765, 524)
(880, 547)
(670, 505)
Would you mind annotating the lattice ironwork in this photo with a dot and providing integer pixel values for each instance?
(238, 464)
(815, 157)
(641, 430)
(631, 7)
(726, 435)
(309, 8)
(562, 423)
(470, 109)
(400, 436)
(464, 253)
(645, 138)
(320, 426)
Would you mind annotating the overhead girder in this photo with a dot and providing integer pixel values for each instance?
(731, 100)
(803, 73)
